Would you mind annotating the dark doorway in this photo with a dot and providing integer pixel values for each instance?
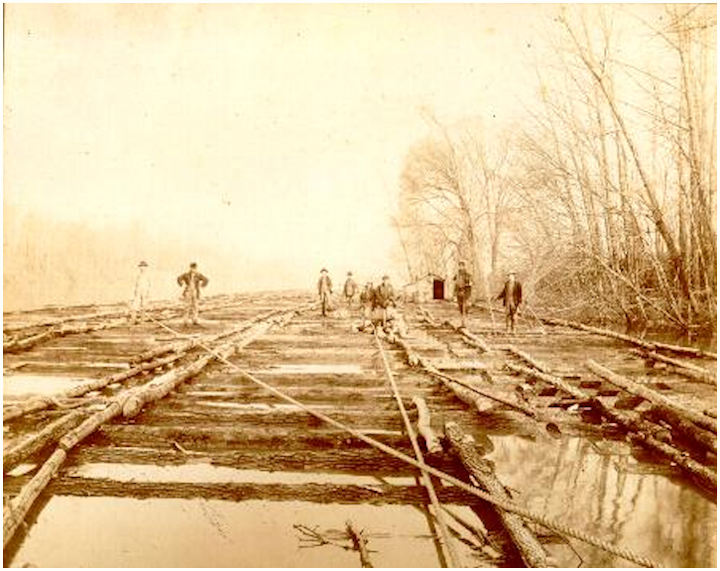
(438, 289)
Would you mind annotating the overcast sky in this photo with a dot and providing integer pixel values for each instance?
(273, 132)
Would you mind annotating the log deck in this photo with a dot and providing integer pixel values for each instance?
(176, 404)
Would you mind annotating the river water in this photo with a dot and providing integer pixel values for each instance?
(596, 487)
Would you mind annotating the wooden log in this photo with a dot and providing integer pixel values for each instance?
(528, 359)
(187, 345)
(428, 316)
(160, 387)
(638, 433)
(36, 442)
(359, 543)
(432, 442)
(700, 438)
(14, 514)
(28, 342)
(474, 340)
(15, 511)
(348, 494)
(649, 345)
(91, 424)
(551, 379)
(686, 369)
(62, 320)
(41, 403)
(37, 404)
(467, 393)
(482, 472)
(24, 343)
(652, 396)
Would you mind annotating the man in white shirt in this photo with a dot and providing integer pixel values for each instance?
(141, 294)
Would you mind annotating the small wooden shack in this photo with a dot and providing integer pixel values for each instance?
(426, 288)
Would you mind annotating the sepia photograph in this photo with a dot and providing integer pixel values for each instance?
(359, 285)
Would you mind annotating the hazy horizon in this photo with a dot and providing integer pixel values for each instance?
(262, 141)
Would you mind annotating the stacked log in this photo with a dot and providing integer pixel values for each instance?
(179, 349)
(649, 345)
(686, 369)
(482, 472)
(13, 455)
(699, 438)
(652, 396)
(638, 432)
(15, 346)
(130, 402)
(467, 393)
(40, 403)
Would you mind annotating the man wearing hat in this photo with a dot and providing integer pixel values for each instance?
(463, 290)
(511, 295)
(349, 290)
(141, 293)
(324, 287)
(367, 300)
(385, 298)
(193, 281)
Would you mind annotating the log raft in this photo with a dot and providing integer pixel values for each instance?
(652, 396)
(682, 367)
(532, 552)
(648, 345)
(129, 403)
(637, 431)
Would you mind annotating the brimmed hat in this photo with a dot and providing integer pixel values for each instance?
(142, 264)
(386, 277)
(323, 270)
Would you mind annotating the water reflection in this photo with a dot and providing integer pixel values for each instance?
(122, 532)
(571, 480)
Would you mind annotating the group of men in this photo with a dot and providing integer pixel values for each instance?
(511, 295)
(376, 301)
(191, 281)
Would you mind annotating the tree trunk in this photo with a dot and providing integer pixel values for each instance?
(652, 396)
(527, 544)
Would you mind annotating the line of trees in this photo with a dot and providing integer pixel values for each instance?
(605, 199)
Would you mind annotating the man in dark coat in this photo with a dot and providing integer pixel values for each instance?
(324, 287)
(193, 281)
(349, 290)
(463, 290)
(367, 300)
(512, 298)
(385, 298)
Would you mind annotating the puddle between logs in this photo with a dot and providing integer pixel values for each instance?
(124, 532)
(207, 473)
(577, 482)
(21, 385)
(314, 369)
